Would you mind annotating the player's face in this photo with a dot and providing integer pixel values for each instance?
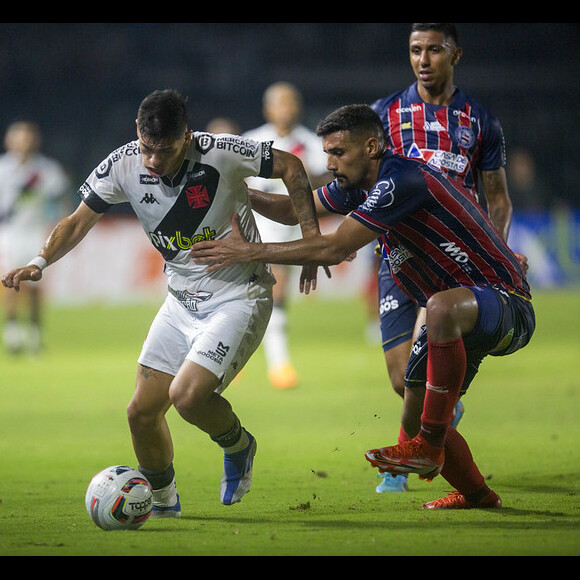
(432, 59)
(349, 160)
(22, 139)
(283, 110)
(163, 158)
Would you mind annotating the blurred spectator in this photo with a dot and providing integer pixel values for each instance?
(526, 190)
(33, 191)
(282, 110)
(223, 125)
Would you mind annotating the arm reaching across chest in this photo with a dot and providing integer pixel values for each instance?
(321, 250)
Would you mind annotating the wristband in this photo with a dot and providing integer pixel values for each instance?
(39, 262)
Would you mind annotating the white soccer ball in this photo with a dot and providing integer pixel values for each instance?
(119, 498)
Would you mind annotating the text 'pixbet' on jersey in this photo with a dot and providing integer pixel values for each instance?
(178, 241)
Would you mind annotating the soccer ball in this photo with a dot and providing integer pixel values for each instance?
(119, 498)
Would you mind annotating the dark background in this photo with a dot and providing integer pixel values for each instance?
(83, 82)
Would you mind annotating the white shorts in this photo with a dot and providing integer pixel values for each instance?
(19, 246)
(221, 341)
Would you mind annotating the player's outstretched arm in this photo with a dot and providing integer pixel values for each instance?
(326, 250)
(65, 236)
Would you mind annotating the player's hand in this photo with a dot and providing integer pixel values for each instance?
(523, 261)
(14, 277)
(309, 276)
(218, 254)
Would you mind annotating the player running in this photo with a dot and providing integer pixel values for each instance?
(184, 187)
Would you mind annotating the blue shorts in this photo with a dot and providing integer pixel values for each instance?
(505, 324)
(397, 312)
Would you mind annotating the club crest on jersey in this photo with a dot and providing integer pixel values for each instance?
(183, 225)
(465, 136)
(197, 196)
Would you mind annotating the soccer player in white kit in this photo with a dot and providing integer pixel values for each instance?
(184, 187)
(282, 108)
(32, 192)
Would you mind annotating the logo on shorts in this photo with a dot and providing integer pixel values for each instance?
(218, 354)
(190, 300)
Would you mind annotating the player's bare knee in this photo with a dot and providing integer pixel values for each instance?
(138, 419)
(188, 401)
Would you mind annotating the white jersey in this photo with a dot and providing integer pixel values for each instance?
(307, 146)
(196, 204)
(26, 193)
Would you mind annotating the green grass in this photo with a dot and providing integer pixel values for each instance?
(62, 418)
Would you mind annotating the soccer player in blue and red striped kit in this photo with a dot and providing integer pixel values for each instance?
(435, 122)
(444, 251)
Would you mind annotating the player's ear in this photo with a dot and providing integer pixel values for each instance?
(457, 54)
(374, 147)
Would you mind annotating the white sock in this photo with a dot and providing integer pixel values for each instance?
(275, 342)
(242, 443)
(166, 496)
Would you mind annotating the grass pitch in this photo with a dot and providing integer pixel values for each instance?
(62, 419)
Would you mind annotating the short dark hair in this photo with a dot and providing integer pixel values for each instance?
(446, 28)
(163, 115)
(358, 119)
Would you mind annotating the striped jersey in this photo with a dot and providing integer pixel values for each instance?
(459, 139)
(432, 232)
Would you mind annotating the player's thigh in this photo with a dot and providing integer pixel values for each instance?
(193, 385)
(229, 337)
(397, 312)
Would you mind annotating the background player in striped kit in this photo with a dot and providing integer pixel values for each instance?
(434, 122)
(447, 255)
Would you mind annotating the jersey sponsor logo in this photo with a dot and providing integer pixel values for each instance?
(204, 142)
(414, 152)
(85, 190)
(170, 243)
(413, 108)
(446, 160)
(105, 167)
(145, 179)
(383, 190)
(237, 145)
(433, 126)
(456, 253)
(397, 256)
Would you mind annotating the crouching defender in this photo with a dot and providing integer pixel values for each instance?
(445, 253)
